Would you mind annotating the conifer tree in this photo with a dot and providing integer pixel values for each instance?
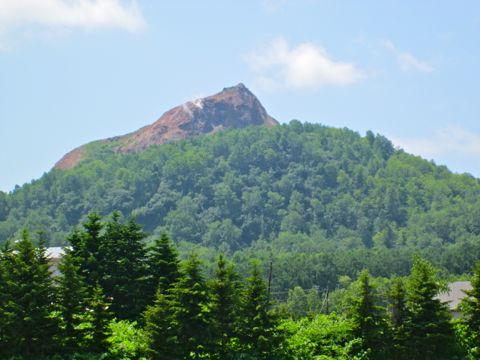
(86, 245)
(161, 336)
(257, 324)
(5, 256)
(471, 312)
(398, 319)
(225, 295)
(367, 317)
(123, 270)
(430, 335)
(190, 305)
(72, 301)
(28, 326)
(163, 265)
(96, 321)
(159, 318)
(112, 255)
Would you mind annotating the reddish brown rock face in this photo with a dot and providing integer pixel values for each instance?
(233, 107)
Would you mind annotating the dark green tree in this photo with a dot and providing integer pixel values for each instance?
(398, 319)
(5, 256)
(96, 322)
(430, 334)
(256, 323)
(190, 305)
(3, 206)
(162, 265)
(225, 300)
(71, 302)
(368, 318)
(163, 269)
(471, 312)
(162, 340)
(112, 255)
(123, 270)
(28, 326)
(86, 245)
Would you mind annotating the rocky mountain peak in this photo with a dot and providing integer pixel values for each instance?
(233, 107)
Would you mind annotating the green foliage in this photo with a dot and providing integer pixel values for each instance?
(301, 303)
(72, 304)
(297, 303)
(178, 325)
(86, 250)
(161, 337)
(323, 337)
(349, 202)
(162, 266)
(126, 341)
(112, 255)
(225, 290)
(257, 327)
(27, 301)
(368, 320)
(398, 318)
(471, 314)
(3, 206)
(123, 270)
(95, 324)
(224, 317)
(429, 332)
(190, 305)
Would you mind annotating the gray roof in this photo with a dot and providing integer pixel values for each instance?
(455, 293)
(55, 252)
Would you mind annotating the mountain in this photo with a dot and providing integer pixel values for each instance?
(234, 107)
(319, 201)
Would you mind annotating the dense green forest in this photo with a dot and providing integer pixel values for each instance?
(116, 298)
(318, 201)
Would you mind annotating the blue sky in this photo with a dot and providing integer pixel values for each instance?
(73, 71)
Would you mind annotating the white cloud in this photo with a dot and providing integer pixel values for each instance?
(272, 6)
(84, 14)
(406, 60)
(304, 66)
(448, 141)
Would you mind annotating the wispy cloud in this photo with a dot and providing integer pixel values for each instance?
(452, 140)
(406, 60)
(272, 6)
(84, 14)
(304, 66)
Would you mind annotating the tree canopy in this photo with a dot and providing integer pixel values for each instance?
(321, 201)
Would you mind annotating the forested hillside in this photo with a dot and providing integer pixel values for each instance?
(319, 201)
(115, 298)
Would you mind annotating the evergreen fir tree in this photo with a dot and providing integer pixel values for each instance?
(86, 245)
(72, 299)
(96, 321)
(471, 312)
(123, 270)
(5, 255)
(190, 305)
(163, 270)
(367, 317)
(161, 336)
(430, 334)
(163, 265)
(28, 326)
(225, 294)
(112, 255)
(398, 319)
(257, 325)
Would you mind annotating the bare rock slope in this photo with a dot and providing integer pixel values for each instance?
(233, 107)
